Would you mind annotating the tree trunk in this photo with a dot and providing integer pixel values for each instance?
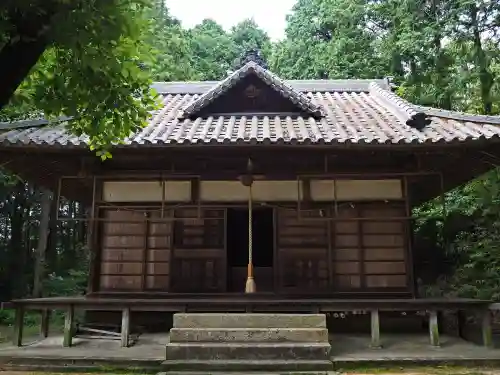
(16, 60)
(485, 76)
(43, 232)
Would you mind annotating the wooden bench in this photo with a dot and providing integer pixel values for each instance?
(245, 303)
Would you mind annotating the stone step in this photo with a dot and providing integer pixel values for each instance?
(211, 366)
(256, 351)
(248, 373)
(211, 320)
(249, 335)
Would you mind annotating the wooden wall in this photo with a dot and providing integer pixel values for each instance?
(365, 249)
(142, 252)
(359, 245)
(346, 254)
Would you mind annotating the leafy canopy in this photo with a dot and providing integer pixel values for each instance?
(94, 68)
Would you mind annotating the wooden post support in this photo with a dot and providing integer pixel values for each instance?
(45, 322)
(375, 329)
(68, 326)
(434, 328)
(17, 338)
(125, 331)
(486, 328)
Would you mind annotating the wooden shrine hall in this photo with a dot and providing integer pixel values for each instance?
(253, 191)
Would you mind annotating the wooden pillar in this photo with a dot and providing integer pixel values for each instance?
(45, 322)
(125, 331)
(68, 326)
(434, 328)
(92, 240)
(375, 329)
(17, 338)
(486, 328)
(41, 250)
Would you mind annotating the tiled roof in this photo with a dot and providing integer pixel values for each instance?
(273, 81)
(355, 112)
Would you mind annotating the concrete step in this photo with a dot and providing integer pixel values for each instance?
(255, 351)
(211, 320)
(211, 366)
(249, 335)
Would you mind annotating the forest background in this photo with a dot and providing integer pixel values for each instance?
(440, 53)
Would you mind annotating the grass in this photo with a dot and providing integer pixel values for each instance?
(394, 371)
(423, 370)
(7, 331)
(29, 331)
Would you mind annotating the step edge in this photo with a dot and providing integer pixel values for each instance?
(250, 344)
(243, 329)
(182, 314)
(248, 361)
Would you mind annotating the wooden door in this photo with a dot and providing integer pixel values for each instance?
(135, 250)
(199, 258)
(302, 252)
(369, 247)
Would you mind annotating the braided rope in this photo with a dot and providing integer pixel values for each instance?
(250, 233)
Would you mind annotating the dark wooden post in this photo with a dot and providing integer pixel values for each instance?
(68, 326)
(45, 322)
(125, 331)
(17, 338)
(434, 328)
(375, 329)
(486, 328)
(41, 250)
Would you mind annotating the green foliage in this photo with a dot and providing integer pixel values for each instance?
(93, 69)
(102, 56)
(247, 35)
(173, 57)
(213, 49)
(468, 233)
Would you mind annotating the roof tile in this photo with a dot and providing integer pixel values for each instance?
(358, 113)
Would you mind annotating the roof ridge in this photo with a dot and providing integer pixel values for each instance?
(458, 115)
(33, 122)
(409, 113)
(301, 85)
(415, 110)
(272, 80)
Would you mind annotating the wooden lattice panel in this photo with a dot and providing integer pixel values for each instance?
(135, 250)
(199, 259)
(369, 247)
(302, 250)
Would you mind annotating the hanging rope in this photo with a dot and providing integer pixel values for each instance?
(250, 234)
(250, 284)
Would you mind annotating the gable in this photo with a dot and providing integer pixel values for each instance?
(252, 90)
(251, 95)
